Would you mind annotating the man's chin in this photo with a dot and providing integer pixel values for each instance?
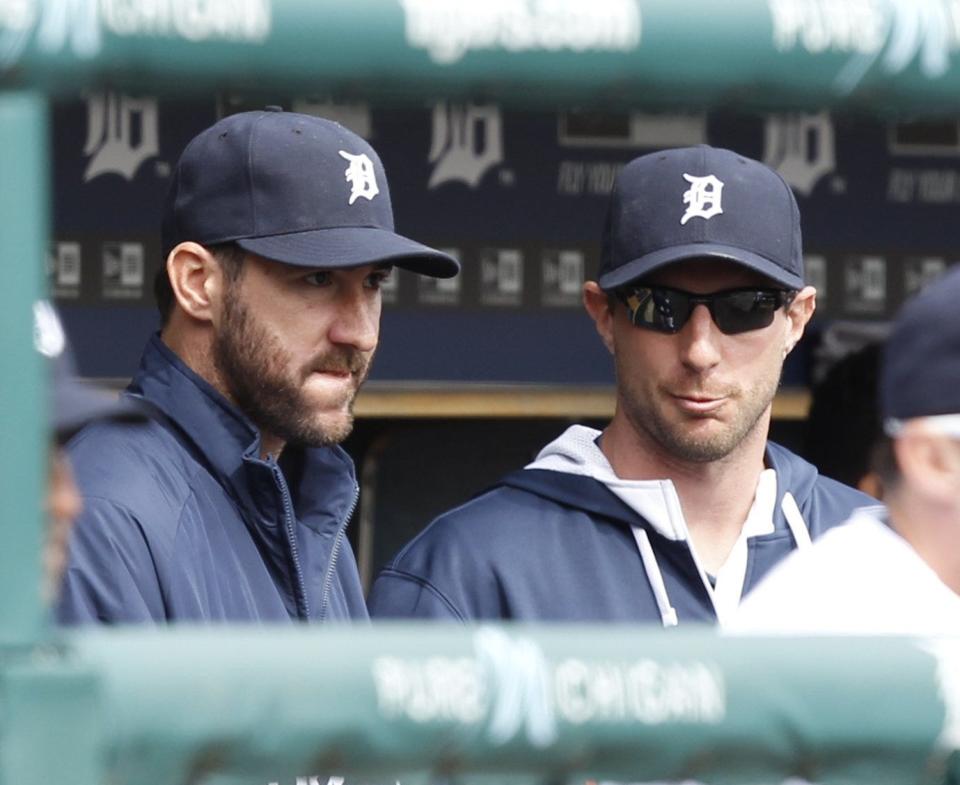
(702, 441)
(331, 428)
(324, 419)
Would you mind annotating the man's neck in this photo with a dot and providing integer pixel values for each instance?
(194, 347)
(933, 532)
(270, 445)
(715, 496)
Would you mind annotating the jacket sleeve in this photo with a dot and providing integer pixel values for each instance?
(397, 594)
(111, 577)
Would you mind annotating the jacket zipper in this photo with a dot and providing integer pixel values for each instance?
(335, 553)
(301, 595)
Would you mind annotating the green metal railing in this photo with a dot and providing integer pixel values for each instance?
(878, 55)
(516, 703)
(505, 704)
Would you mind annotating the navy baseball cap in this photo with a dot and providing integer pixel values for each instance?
(292, 188)
(920, 372)
(700, 202)
(73, 403)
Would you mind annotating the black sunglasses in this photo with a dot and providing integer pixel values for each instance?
(734, 311)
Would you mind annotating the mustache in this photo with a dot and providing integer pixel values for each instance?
(341, 360)
(695, 390)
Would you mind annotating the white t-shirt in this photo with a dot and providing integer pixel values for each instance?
(861, 578)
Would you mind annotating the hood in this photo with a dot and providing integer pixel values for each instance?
(573, 471)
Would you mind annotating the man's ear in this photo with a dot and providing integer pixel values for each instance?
(799, 313)
(197, 281)
(597, 303)
(929, 463)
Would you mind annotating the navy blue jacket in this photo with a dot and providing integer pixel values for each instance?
(545, 545)
(183, 521)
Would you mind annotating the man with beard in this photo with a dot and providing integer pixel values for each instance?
(680, 505)
(232, 506)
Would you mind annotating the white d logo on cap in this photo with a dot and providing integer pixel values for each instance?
(361, 176)
(702, 198)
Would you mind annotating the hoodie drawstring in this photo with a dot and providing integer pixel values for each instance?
(795, 522)
(667, 613)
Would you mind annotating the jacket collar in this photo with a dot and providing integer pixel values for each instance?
(321, 480)
(583, 492)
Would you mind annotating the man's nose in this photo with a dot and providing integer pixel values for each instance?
(357, 321)
(699, 340)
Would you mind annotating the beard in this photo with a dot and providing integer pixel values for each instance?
(259, 375)
(682, 439)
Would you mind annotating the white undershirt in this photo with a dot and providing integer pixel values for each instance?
(727, 588)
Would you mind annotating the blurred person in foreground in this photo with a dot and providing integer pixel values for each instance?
(897, 572)
(73, 404)
(678, 507)
(233, 505)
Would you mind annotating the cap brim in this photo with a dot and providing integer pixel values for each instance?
(352, 246)
(645, 265)
(75, 404)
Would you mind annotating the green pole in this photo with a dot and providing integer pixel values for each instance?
(23, 443)
(50, 722)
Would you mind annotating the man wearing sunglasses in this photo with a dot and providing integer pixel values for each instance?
(910, 582)
(677, 508)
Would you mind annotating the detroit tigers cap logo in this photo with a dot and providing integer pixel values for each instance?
(361, 176)
(703, 197)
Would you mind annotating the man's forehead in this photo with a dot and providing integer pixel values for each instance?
(332, 268)
(300, 269)
(707, 274)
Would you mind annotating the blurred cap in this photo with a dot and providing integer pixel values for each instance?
(73, 402)
(920, 373)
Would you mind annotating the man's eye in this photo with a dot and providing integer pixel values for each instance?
(319, 278)
(378, 279)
